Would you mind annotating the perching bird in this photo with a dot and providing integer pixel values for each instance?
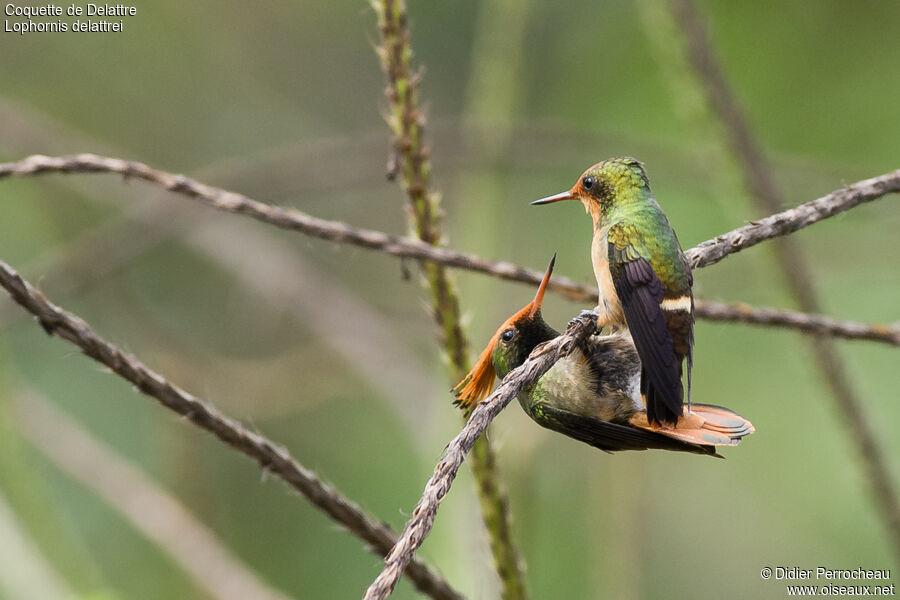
(592, 394)
(644, 279)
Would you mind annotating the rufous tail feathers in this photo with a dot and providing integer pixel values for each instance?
(702, 424)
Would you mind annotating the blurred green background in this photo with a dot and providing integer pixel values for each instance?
(328, 350)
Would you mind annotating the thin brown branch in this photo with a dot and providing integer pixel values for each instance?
(410, 159)
(706, 253)
(289, 282)
(793, 265)
(418, 527)
(363, 337)
(804, 322)
(151, 510)
(788, 221)
(270, 457)
(143, 230)
(284, 218)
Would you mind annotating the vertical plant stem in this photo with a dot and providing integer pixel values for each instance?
(495, 514)
(410, 161)
(793, 265)
(494, 86)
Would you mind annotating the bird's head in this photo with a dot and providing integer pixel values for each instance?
(604, 185)
(509, 347)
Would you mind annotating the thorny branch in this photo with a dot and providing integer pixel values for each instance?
(410, 159)
(791, 260)
(418, 527)
(706, 253)
(270, 457)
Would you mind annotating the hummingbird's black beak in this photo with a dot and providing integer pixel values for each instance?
(539, 296)
(558, 197)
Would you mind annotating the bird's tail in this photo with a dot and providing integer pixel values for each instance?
(702, 424)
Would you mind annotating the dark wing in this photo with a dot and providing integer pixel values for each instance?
(607, 436)
(641, 292)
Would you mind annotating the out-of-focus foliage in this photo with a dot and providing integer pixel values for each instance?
(283, 101)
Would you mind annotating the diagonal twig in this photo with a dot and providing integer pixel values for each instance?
(270, 457)
(792, 262)
(144, 229)
(804, 322)
(418, 527)
(410, 160)
(788, 221)
(706, 253)
(284, 218)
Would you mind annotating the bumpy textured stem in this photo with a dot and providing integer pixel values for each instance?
(805, 322)
(494, 502)
(788, 221)
(418, 527)
(270, 457)
(410, 159)
(707, 253)
(793, 265)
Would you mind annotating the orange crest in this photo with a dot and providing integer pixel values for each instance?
(477, 383)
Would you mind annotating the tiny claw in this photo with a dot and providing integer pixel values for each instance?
(585, 314)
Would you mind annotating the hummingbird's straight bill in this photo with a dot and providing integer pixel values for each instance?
(549, 199)
(644, 279)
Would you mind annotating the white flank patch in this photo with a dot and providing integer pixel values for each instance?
(634, 391)
(683, 303)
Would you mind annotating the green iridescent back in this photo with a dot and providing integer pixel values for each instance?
(641, 227)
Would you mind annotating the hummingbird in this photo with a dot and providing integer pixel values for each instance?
(644, 278)
(593, 394)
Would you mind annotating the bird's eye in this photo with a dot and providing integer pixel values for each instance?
(588, 182)
(508, 335)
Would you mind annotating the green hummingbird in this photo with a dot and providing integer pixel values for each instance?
(593, 394)
(644, 278)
